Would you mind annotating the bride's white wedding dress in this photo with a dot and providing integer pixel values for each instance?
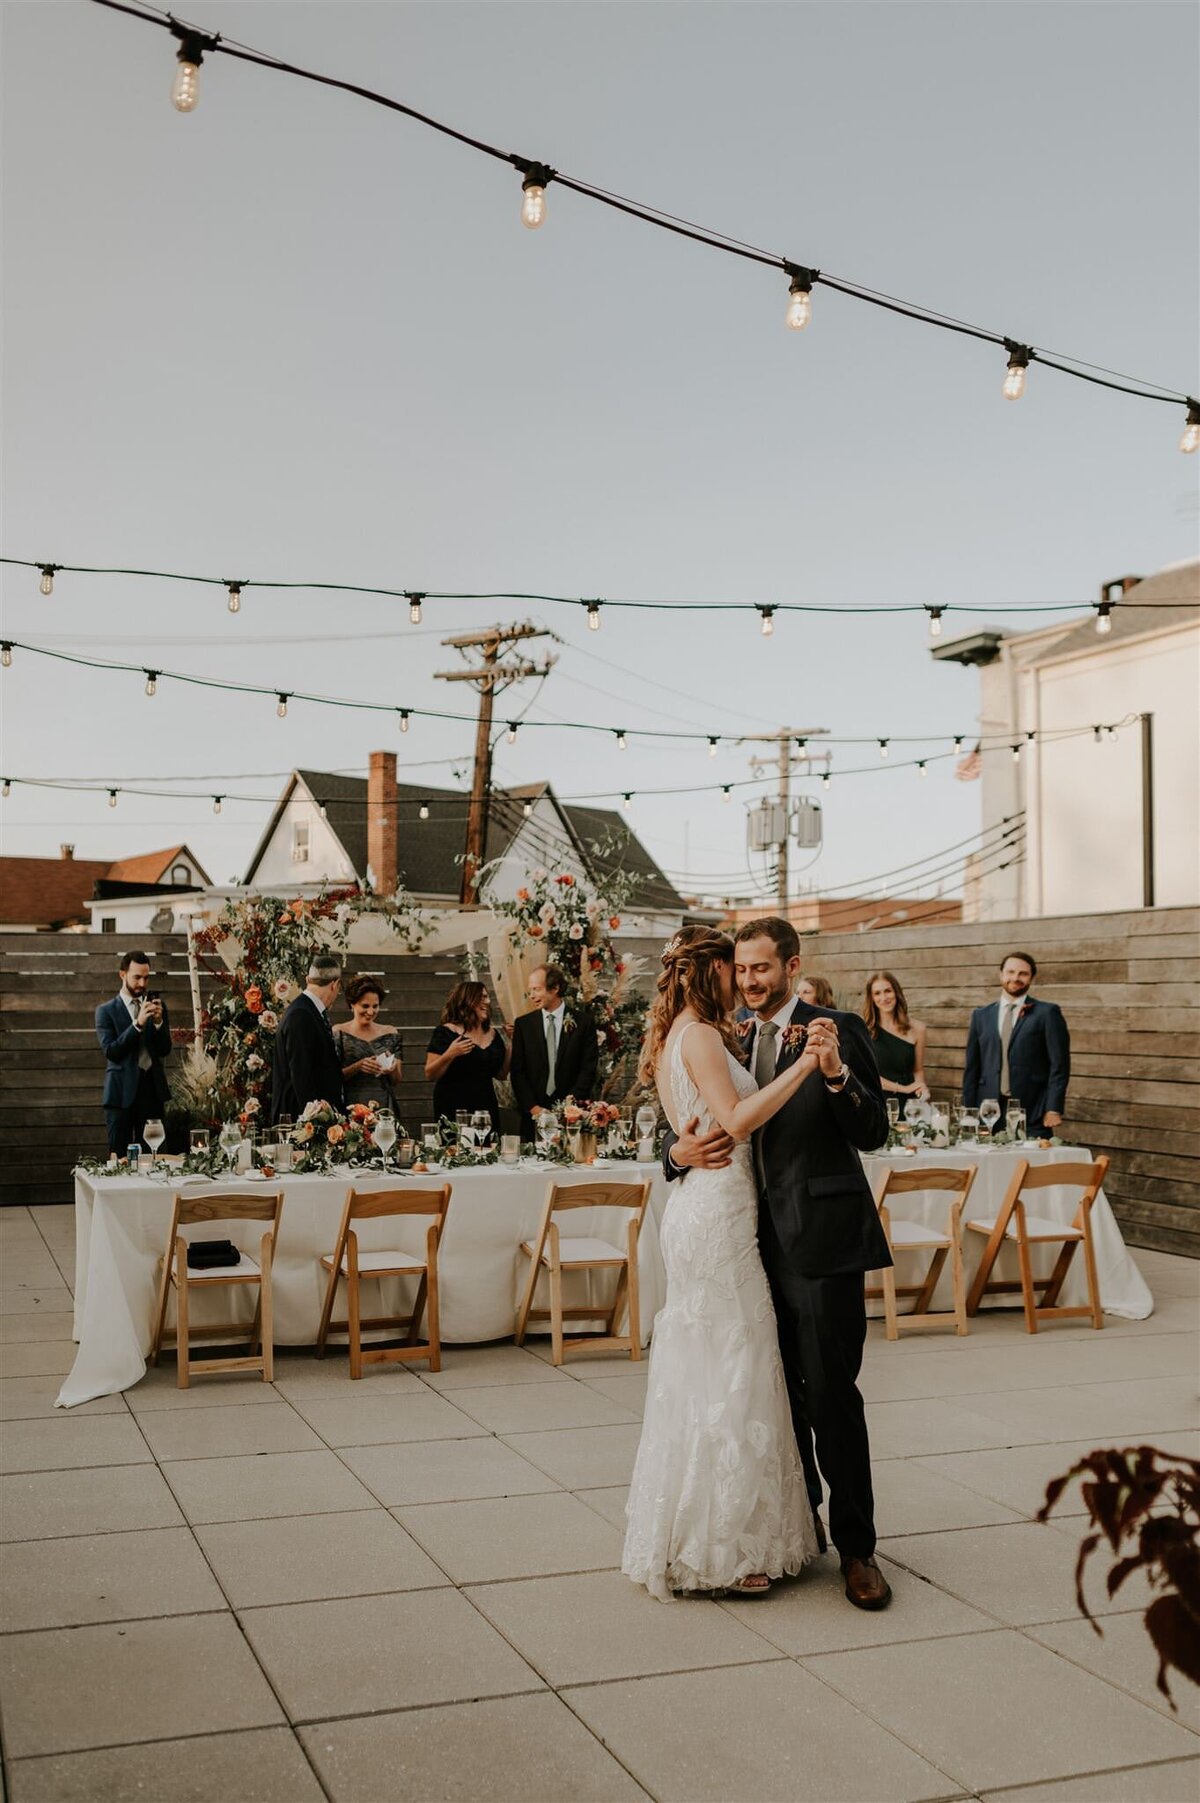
(718, 1490)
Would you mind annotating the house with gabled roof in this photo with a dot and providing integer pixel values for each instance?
(54, 895)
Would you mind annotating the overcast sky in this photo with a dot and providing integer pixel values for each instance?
(294, 336)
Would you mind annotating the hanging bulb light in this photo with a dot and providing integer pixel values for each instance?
(5, 788)
(958, 741)
(281, 705)
(593, 615)
(935, 621)
(726, 791)
(1016, 754)
(825, 780)
(6, 655)
(403, 712)
(712, 746)
(1110, 732)
(1104, 618)
(1018, 363)
(112, 798)
(627, 798)
(1097, 733)
(1191, 432)
(621, 739)
(217, 800)
(921, 767)
(802, 747)
(152, 683)
(423, 811)
(47, 583)
(799, 307)
(414, 607)
(185, 89)
(768, 621)
(883, 748)
(533, 192)
(235, 596)
(511, 734)
(527, 810)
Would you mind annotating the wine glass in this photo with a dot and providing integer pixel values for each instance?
(1015, 1122)
(989, 1114)
(893, 1110)
(547, 1130)
(230, 1138)
(481, 1127)
(384, 1133)
(915, 1111)
(154, 1134)
(646, 1120)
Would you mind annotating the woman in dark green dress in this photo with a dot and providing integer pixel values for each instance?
(899, 1042)
(371, 1053)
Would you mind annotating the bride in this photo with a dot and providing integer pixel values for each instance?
(718, 1499)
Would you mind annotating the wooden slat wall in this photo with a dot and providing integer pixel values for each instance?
(1127, 984)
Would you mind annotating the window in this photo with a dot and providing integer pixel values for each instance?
(108, 923)
(180, 875)
(300, 842)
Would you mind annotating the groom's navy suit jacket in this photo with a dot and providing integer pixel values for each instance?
(1039, 1058)
(817, 1194)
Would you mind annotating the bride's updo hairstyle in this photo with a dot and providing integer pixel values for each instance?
(690, 979)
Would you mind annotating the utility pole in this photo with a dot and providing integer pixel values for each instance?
(792, 753)
(491, 677)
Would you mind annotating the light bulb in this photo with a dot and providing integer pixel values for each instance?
(47, 583)
(1097, 733)
(414, 609)
(533, 205)
(883, 748)
(527, 810)
(1104, 618)
(185, 89)
(423, 811)
(825, 780)
(281, 706)
(1191, 432)
(768, 621)
(935, 622)
(593, 616)
(323, 811)
(235, 597)
(5, 788)
(712, 747)
(627, 799)
(921, 767)
(726, 791)
(621, 741)
(958, 741)
(403, 719)
(216, 804)
(1014, 375)
(1016, 754)
(799, 308)
(6, 655)
(112, 798)
(152, 682)
(511, 734)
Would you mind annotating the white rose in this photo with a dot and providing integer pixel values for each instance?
(254, 1062)
(253, 1105)
(538, 875)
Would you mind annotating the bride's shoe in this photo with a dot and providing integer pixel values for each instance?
(757, 1584)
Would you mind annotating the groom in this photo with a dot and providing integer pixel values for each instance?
(818, 1228)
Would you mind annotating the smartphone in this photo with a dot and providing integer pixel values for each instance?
(152, 995)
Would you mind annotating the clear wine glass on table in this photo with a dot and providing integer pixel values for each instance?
(989, 1114)
(646, 1120)
(384, 1133)
(893, 1110)
(916, 1111)
(547, 1130)
(154, 1134)
(481, 1127)
(1015, 1122)
(230, 1138)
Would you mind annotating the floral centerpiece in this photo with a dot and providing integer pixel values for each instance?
(322, 1136)
(584, 1121)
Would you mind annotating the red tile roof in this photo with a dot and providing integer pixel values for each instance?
(47, 892)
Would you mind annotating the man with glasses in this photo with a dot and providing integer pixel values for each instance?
(308, 1067)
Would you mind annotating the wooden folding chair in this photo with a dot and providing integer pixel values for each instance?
(1013, 1223)
(915, 1236)
(551, 1253)
(347, 1264)
(195, 1211)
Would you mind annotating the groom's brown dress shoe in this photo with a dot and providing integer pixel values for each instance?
(866, 1586)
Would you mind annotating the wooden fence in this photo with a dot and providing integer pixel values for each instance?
(1127, 984)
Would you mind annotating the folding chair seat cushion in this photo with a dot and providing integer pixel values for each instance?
(1037, 1227)
(909, 1235)
(580, 1252)
(379, 1264)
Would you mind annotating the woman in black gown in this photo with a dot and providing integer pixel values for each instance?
(467, 1055)
(372, 1065)
(899, 1042)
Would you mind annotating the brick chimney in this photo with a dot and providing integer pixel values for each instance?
(381, 821)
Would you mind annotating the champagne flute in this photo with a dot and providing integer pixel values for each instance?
(154, 1134)
(385, 1133)
(989, 1114)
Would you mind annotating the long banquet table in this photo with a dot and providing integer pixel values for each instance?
(122, 1223)
(1123, 1289)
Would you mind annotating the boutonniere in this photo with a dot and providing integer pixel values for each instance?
(1027, 1009)
(793, 1037)
(569, 1024)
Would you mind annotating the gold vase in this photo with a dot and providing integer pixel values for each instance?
(583, 1147)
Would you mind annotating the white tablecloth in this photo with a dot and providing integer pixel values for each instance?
(122, 1223)
(1123, 1289)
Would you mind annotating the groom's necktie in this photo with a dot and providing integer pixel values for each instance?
(764, 1070)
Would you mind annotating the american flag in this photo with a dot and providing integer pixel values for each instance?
(970, 768)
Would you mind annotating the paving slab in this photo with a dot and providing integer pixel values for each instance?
(810, 1614)
(997, 1710)
(38, 1358)
(608, 1501)
(514, 1537)
(104, 1577)
(258, 1486)
(1124, 1655)
(628, 1391)
(354, 1420)
(37, 1505)
(522, 1749)
(33, 1398)
(534, 1408)
(476, 1367)
(159, 1390)
(56, 1324)
(304, 1375)
(577, 1630)
(144, 1680)
(383, 1652)
(257, 1765)
(910, 1498)
(226, 1432)
(582, 1458)
(768, 1732)
(444, 1471)
(1178, 1782)
(306, 1558)
(47, 1298)
(903, 1430)
(66, 1442)
(1017, 1574)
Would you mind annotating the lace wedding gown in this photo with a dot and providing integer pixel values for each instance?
(718, 1490)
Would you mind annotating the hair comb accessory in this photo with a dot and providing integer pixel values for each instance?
(671, 947)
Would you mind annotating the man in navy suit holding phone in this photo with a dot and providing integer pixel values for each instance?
(135, 1035)
(1019, 1050)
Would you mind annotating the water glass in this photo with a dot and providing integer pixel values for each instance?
(283, 1156)
(1016, 1122)
(510, 1148)
(989, 1114)
(893, 1110)
(406, 1153)
(481, 1127)
(198, 1141)
(967, 1124)
(547, 1130)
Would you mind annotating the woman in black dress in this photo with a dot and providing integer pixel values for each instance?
(372, 1065)
(899, 1042)
(467, 1055)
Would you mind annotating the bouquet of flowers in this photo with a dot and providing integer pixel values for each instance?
(589, 1117)
(324, 1137)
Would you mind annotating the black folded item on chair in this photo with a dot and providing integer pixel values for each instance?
(205, 1255)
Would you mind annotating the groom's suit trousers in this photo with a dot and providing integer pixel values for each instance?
(822, 1325)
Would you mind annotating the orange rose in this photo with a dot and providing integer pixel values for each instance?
(522, 895)
(254, 1007)
(285, 920)
(614, 921)
(535, 932)
(298, 909)
(254, 993)
(335, 1135)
